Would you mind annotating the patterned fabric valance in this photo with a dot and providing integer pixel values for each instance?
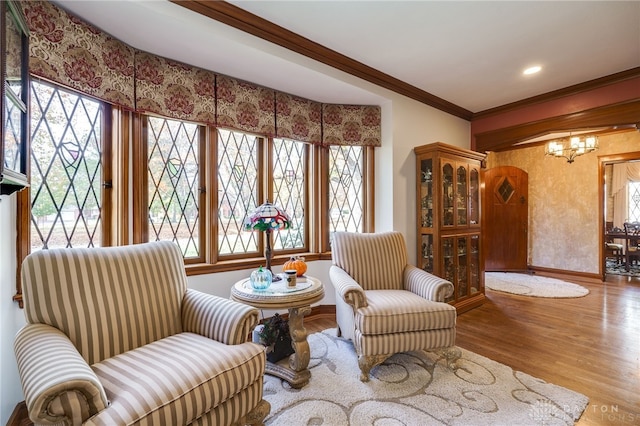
(298, 118)
(68, 51)
(174, 89)
(245, 106)
(351, 125)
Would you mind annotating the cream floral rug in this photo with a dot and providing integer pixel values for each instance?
(416, 388)
(532, 285)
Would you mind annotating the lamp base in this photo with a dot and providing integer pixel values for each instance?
(275, 277)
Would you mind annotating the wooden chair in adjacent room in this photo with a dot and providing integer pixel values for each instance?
(632, 229)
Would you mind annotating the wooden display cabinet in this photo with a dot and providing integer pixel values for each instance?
(14, 97)
(448, 215)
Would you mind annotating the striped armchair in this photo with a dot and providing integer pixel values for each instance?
(385, 305)
(114, 337)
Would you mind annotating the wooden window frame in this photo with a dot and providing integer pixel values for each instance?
(23, 205)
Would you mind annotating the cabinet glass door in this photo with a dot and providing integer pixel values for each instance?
(426, 193)
(13, 98)
(427, 253)
(474, 265)
(461, 257)
(447, 194)
(474, 196)
(448, 263)
(461, 195)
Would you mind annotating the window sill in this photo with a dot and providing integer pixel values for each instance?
(253, 263)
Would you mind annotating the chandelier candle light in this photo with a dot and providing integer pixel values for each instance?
(572, 147)
(267, 218)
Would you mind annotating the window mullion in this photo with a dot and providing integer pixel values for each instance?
(140, 180)
(107, 175)
(265, 152)
(211, 196)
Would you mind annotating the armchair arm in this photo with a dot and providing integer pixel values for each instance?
(58, 384)
(224, 320)
(347, 288)
(426, 285)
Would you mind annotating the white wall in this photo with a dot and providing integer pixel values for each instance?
(11, 318)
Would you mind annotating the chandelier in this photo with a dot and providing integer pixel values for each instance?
(572, 147)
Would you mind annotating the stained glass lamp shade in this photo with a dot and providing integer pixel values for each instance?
(267, 218)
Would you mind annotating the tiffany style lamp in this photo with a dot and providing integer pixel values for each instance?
(267, 218)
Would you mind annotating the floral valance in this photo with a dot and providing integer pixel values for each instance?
(174, 89)
(64, 49)
(298, 118)
(245, 106)
(68, 51)
(351, 125)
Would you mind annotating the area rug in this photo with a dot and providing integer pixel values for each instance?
(532, 285)
(614, 268)
(416, 388)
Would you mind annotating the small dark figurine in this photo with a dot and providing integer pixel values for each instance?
(275, 334)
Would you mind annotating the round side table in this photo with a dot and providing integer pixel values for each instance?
(297, 300)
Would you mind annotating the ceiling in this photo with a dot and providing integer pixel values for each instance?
(470, 54)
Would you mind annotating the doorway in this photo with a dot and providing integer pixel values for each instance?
(619, 178)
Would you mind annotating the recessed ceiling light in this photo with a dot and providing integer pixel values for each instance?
(532, 70)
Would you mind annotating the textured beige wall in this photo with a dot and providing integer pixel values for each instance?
(563, 202)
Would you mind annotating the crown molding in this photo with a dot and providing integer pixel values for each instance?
(240, 19)
(561, 93)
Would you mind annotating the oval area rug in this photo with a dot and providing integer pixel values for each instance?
(532, 285)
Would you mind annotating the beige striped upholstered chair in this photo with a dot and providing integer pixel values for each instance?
(385, 305)
(114, 337)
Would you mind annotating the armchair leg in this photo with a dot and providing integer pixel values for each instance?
(452, 354)
(367, 362)
(256, 416)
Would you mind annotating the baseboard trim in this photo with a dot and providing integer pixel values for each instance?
(322, 311)
(318, 312)
(584, 277)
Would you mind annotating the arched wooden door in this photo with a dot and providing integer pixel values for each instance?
(505, 218)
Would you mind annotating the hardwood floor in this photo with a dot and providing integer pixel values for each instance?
(590, 344)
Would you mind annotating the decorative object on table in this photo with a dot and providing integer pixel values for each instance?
(291, 275)
(266, 218)
(297, 263)
(276, 337)
(261, 279)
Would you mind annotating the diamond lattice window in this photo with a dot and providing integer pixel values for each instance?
(173, 183)
(66, 168)
(346, 192)
(289, 191)
(506, 190)
(634, 201)
(12, 131)
(237, 191)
